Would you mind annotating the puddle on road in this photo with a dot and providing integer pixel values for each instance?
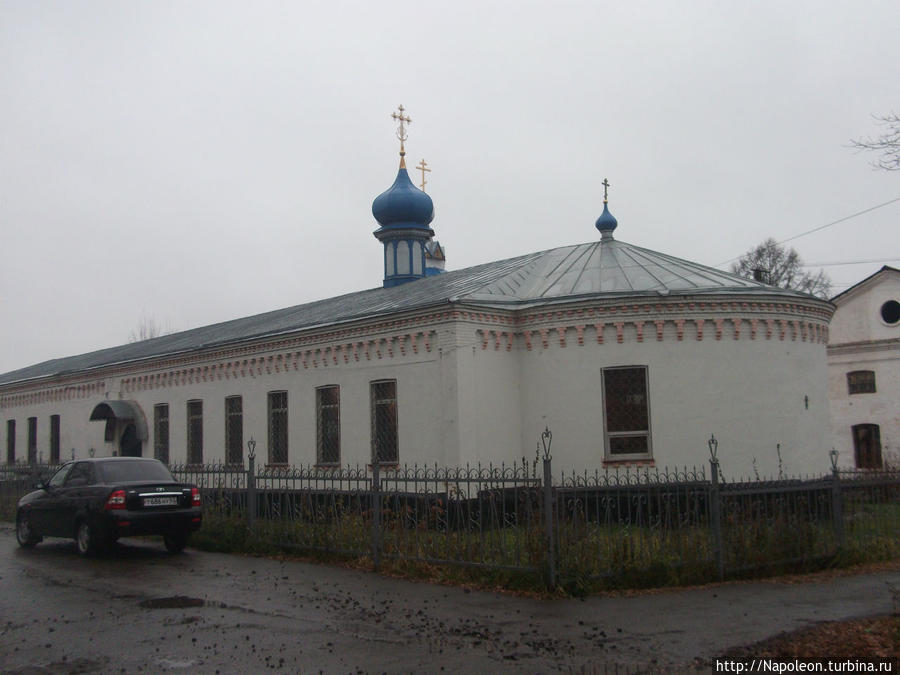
(173, 602)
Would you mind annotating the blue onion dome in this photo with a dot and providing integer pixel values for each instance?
(403, 205)
(606, 223)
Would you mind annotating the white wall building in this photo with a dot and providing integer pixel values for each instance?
(632, 357)
(864, 371)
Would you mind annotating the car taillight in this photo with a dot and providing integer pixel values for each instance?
(116, 500)
(195, 497)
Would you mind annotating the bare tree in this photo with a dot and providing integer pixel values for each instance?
(777, 265)
(148, 328)
(887, 145)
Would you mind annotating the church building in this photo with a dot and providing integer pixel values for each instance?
(864, 371)
(632, 358)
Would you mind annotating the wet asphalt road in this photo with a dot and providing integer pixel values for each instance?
(144, 610)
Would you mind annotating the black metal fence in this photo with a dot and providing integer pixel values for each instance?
(642, 525)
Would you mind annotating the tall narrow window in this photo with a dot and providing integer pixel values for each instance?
(32, 440)
(10, 441)
(278, 427)
(234, 430)
(328, 425)
(861, 382)
(195, 432)
(627, 413)
(161, 432)
(384, 422)
(54, 439)
(867, 446)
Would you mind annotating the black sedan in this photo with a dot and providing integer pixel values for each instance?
(96, 501)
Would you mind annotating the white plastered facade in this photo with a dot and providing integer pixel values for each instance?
(479, 385)
(861, 340)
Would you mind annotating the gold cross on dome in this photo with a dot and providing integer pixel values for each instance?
(605, 185)
(422, 166)
(401, 130)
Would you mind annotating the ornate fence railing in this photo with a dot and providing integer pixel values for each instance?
(643, 525)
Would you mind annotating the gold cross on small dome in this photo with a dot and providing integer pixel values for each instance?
(422, 166)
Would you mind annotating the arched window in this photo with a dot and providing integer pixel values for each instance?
(403, 257)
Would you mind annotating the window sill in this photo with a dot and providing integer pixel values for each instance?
(615, 463)
(388, 466)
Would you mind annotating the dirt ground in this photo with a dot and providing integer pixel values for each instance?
(875, 637)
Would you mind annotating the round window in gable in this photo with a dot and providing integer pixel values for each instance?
(890, 312)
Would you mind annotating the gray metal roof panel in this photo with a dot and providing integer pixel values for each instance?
(608, 268)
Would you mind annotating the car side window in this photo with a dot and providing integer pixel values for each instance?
(81, 474)
(60, 476)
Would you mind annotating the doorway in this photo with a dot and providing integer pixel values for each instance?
(129, 444)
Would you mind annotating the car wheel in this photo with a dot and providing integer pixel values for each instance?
(86, 538)
(175, 543)
(24, 535)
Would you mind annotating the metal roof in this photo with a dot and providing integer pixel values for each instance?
(607, 268)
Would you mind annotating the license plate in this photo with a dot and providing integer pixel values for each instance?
(160, 501)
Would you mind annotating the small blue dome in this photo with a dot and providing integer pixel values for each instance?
(403, 205)
(606, 222)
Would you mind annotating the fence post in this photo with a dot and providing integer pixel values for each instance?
(251, 484)
(715, 507)
(837, 505)
(376, 516)
(547, 439)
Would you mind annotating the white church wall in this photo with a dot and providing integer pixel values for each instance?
(858, 317)
(492, 387)
(476, 389)
(860, 340)
(751, 393)
(880, 407)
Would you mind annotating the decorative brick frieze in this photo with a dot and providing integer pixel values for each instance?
(404, 337)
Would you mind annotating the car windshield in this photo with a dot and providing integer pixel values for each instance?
(60, 476)
(134, 471)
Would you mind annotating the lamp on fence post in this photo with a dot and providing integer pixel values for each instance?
(251, 483)
(715, 508)
(546, 441)
(837, 506)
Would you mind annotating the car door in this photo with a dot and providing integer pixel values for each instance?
(69, 499)
(43, 506)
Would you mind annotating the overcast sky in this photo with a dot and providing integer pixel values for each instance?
(195, 162)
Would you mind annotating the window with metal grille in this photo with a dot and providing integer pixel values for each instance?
(867, 446)
(627, 413)
(161, 432)
(861, 382)
(384, 422)
(278, 427)
(195, 432)
(54, 439)
(10, 441)
(328, 425)
(32, 440)
(234, 430)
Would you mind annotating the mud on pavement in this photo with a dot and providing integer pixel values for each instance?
(142, 609)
